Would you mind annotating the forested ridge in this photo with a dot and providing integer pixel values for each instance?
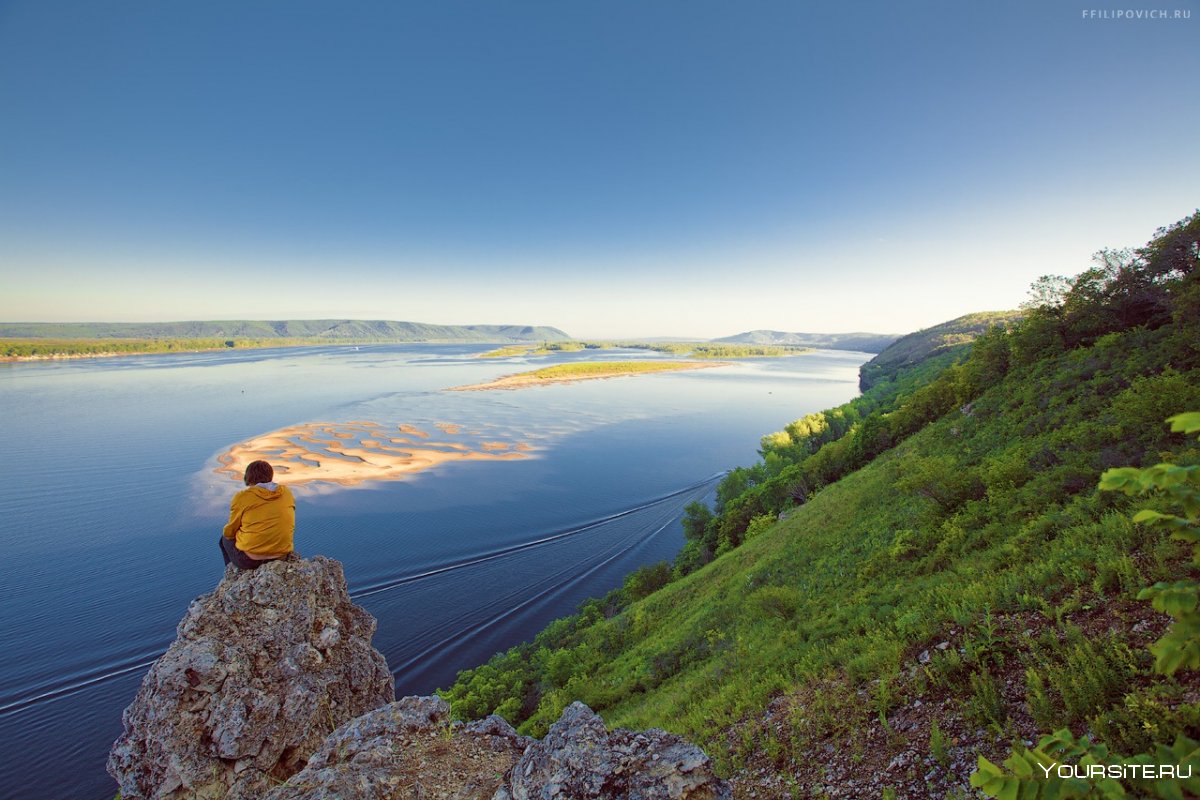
(932, 573)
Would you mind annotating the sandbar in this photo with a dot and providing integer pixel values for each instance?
(412, 431)
(596, 371)
(351, 453)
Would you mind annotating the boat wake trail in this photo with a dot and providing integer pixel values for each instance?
(558, 583)
(592, 544)
(392, 583)
(54, 690)
(533, 586)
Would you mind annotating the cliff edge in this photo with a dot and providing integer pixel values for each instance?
(262, 670)
(272, 690)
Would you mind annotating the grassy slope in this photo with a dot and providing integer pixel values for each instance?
(864, 572)
(948, 337)
(951, 582)
(979, 516)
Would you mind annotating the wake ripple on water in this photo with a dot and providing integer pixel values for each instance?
(449, 632)
(391, 583)
(549, 588)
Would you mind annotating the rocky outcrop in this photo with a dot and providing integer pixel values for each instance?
(411, 749)
(272, 690)
(263, 669)
(580, 759)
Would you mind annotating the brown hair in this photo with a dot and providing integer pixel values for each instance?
(259, 472)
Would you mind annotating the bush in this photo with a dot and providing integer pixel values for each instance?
(779, 602)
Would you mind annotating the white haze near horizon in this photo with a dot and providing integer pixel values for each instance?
(894, 283)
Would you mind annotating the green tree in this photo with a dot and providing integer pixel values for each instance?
(1048, 293)
(696, 517)
(645, 581)
(1174, 252)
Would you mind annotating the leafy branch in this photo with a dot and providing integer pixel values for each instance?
(1091, 771)
(1180, 646)
(1032, 774)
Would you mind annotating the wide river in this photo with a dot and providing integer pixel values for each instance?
(112, 504)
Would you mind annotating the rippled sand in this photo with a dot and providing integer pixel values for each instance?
(349, 453)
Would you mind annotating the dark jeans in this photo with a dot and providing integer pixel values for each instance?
(236, 557)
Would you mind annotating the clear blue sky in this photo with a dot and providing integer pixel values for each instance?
(612, 168)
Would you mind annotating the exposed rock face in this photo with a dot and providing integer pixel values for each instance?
(262, 670)
(411, 749)
(408, 749)
(580, 759)
(244, 705)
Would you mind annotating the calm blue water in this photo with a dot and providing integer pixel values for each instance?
(110, 510)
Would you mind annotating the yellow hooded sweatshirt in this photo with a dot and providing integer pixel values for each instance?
(262, 519)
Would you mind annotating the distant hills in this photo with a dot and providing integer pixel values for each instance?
(332, 329)
(861, 342)
(893, 351)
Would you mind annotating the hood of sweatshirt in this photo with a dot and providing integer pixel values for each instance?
(267, 491)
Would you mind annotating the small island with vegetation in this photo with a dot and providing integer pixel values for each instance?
(584, 371)
(543, 349)
(683, 349)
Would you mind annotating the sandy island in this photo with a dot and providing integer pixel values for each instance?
(350, 453)
(595, 370)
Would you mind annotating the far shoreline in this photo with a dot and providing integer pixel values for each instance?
(181, 351)
(31, 359)
(108, 354)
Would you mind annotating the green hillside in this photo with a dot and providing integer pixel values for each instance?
(947, 339)
(925, 575)
(322, 329)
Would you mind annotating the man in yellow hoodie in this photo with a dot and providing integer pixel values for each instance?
(262, 519)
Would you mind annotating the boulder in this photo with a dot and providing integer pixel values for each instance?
(411, 749)
(579, 759)
(262, 670)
